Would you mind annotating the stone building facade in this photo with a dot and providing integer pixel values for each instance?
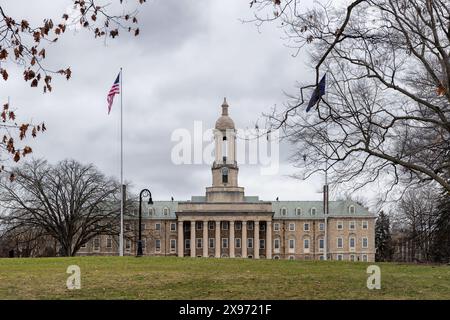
(227, 223)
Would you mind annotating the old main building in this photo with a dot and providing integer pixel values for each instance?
(226, 223)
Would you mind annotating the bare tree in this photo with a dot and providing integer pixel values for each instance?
(385, 116)
(26, 45)
(418, 212)
(69, 202)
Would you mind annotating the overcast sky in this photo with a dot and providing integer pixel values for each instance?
(189, 55)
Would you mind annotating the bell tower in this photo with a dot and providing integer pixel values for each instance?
(225, 169)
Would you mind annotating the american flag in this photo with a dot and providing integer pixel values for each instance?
(115, 89)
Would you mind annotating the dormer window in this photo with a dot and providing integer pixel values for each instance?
(225, 175)
(313, 211)
(351, 209)
(166, 211)
(283, 211)
(298, 211)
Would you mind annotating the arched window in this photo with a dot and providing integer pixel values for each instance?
(166, 211)
(224, 149)
(283, 211)
(225, 175)
(351, 209)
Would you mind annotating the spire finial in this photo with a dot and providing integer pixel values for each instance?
(225, 107)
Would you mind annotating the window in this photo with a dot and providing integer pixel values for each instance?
(199, 225)
(142, 226)
(224, 225)
(262, 226)
(340, 243)
(173, 227)
(250, 225)
(127, 227)
(340, 225)
(224, 242)
(199, 243)
(262, 243)
(157, 245)
(211, 242)
(321, 244)
(291, 257)
(238, 225)
(143, 242)
(365, 225)
(211, 225)
(151, 211)
(321, 257)
(365, 242)
(250, 243)
(352, 257)
(224, 175)
(173, 245)
(291, 226)
(291, 244)
(351, 209)
(313, 211)
(321, 226)
(276, 244)
(364, 257)
(298, 211)
(83, 246)
(283, 211)
(276, 227)
(109, 242)
(187, 243)
(158, 226)
(306, 244)
(276, 257)
(237, 242)
(339, 257)
(128, 245)
(352, 225)
(96, 244)
(306, 227)
(166, 211)
(352, 243)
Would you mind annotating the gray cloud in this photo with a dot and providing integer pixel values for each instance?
(189, 56)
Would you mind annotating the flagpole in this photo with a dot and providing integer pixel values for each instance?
(325, 188)
(121, 166)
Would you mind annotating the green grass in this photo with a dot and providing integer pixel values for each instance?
(198, 278)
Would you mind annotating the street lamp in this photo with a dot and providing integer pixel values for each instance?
(144, 193)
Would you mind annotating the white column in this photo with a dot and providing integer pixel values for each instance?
(193, 239)
(256, 240)
(219, 152)
(205, 239)
(218, 244)
(180, 239)
(232, 146)
(244, 239)
(269, 240)
(231, 239)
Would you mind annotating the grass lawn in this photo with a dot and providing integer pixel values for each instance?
(198, 278)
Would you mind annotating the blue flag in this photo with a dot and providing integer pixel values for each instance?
(317, 94)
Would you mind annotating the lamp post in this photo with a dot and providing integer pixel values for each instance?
(144, 193)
